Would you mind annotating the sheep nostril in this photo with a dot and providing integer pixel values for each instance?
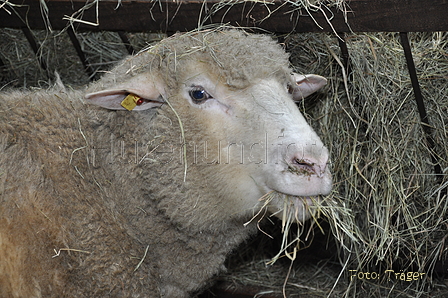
(307, 167)
(303, 165)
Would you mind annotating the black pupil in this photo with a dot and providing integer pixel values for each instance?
(198, 94)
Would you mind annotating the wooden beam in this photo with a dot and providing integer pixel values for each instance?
(272, 15)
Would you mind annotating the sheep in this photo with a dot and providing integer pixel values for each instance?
(140, 184)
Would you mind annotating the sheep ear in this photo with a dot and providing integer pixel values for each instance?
(143, 87)
(306, 85)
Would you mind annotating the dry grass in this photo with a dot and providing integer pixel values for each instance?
(390, 211)
(386, 211)
(102, 49)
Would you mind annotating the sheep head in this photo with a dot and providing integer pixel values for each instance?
(230, 98)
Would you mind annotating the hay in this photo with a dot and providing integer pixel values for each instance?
(386, 211)
(391, 187)
(102, 49)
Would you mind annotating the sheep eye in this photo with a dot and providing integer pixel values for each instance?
(199, 95)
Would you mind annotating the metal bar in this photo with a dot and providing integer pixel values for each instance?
(3, 72)
(89, 70)
(36, 48)
(2, 64)
(126, 42)
(345, 55)
(420, 104)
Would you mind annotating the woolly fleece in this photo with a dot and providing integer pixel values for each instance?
(84, 213)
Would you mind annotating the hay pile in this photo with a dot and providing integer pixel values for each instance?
(391, 219)
(387, 210)
(380, 153)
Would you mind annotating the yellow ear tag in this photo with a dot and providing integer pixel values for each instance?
(130, 102)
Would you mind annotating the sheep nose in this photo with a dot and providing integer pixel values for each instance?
(308, 166)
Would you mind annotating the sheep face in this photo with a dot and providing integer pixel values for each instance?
(242, 134)
(262, 140)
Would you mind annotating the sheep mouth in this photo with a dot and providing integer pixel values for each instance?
(288, 208)
(296, 208)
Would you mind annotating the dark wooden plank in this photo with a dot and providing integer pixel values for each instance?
(278, 16)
